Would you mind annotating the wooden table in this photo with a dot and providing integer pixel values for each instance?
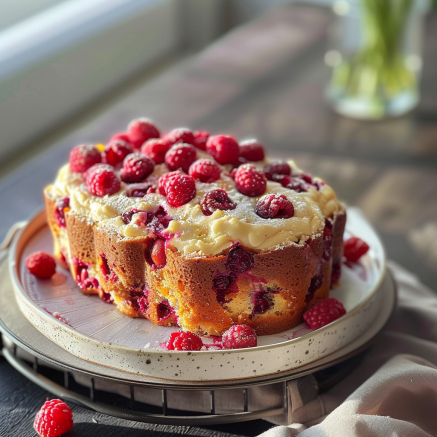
(265, 79)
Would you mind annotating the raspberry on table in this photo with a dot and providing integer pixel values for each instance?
(239, 337)
(274, 206)
(180, 156)
(355, 248)
(115, 152)
(205, 170)
(200, 139)
(156, 149)
(216, 199)
(83, 157)
(251, 150)
(224, 149)
(178, 135)
(184, 341)
(136, 167)
(53, 419)
(179, 190)
(101, 180)
(250, 181)
(41, 264)
(323, 313)
(141, 130)
(277, 168)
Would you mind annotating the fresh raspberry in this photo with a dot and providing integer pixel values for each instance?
(164, 179)
(239, 260)
(101, 180)
(179, 135)
(277, 168)
(323, 313)
(216, 199)
(83, 157)
(180, 156)
(121, 136)
(158, 255)
(41, 265)
(180, 190)
(354, 249)
(139, 190)
(141, 130)
(62, 205)
(184, 341)
(155, 149)
(53, 419)
(274, 206)
(136, 167)
(115, 152)
(306, 177)
(205, 170)
(224, 149)
(200, 139)
(250, 181)
(251, 150)
(239, 337)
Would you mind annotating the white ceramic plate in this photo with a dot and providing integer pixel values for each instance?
(95, 331)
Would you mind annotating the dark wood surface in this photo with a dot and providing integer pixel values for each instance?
(263, 80)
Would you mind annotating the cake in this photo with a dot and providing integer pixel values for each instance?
(196, 231)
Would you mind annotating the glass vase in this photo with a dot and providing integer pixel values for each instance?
(375, 58)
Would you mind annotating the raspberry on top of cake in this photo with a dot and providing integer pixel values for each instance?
(158, 224)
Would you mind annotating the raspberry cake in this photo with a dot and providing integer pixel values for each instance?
(197, 231)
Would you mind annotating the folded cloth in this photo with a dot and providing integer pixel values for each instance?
(393, 392)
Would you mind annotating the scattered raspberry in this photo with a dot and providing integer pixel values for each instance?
(83, 157)
(239, 260)
(41, 264)
(277, 168)
(239, 337)
(224, 149)
(250, 181)
(180, 190)
(274, 206)
(53, 419)
(136, 167)
(101, 180)
(205, 170)
(158, 255)
(115, 152)
(164, 179)
(216, 199)
(200, 139)
(155, 149)
(62, 205)
(354, 249)
(251, 150)
(323, 313)
(121, 136)
(179, 135)
(141, 130)
(180, 156)
(139, 190)
(184, 341)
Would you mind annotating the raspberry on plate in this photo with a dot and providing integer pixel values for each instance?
(180, 156)
(179, 135)
(239, 337)
(323, 313)
(216, 199)
(83, 157)
(205, 170)
(180, 189)
(115, 152)
(277, 168)
(184, 341)
(224, 149)
(274, 206)
(250, 181)
(136, 167)
(200, 139)
(41, 264)
(53, 419)
(141, 130)
(156, 149)
(101, 180)
(251, 150)
(355, 248)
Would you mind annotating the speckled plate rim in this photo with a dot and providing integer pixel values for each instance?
(28, 306)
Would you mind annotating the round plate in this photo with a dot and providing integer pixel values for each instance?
(95, 331)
